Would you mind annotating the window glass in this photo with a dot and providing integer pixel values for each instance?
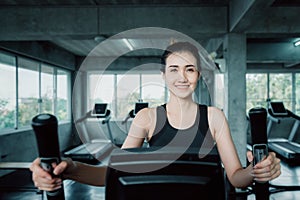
(101, 89)
(28, 85)
(219, 91)
(7, 91)
(47, 89)
(297, 92)
(281, 88)
(63, 110)
(128, 93)
(257, 91)
(153, 89)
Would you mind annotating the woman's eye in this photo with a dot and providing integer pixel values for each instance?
(190, 70)
(173, 70)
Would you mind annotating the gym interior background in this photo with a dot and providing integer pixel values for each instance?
(43, 44)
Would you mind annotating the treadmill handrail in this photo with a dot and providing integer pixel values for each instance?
(275, 118)
(293, 115)
(272, 117)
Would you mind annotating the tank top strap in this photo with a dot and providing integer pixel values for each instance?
(203, 122)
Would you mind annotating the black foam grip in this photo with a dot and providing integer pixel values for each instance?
(45, 127)
(258, 125)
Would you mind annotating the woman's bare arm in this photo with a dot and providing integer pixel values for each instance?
(266, 170)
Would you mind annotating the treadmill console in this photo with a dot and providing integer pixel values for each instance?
(100, 110)
(139, 106)
(278, 108)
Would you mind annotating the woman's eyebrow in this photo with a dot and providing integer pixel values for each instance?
(176, 66)
(190, 66)
(186, 66)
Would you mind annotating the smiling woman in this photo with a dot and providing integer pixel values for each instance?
(183, 123)
(180, 123)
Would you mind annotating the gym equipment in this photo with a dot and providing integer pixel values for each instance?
(258, 124)
(260, 144)
(285, 147)
(100, 110)
(186, 177)
(45, 129)
(138, 106)
(92, 150)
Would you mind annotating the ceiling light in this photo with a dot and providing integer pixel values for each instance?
(297, 43)
(99, 38)
(128, 44)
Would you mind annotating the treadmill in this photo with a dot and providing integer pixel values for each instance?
(138, 106)
(92, 151)
(285, 147)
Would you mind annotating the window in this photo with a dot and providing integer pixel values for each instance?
(7, 91)
(281, 88)
(28, 91)
(63, 97)
(297, 92)
(47, 90)
(219, 91)
(29, 87)
(153, 89)
(122, 91)
(274, 86)
(128, 93)
(256, 90)
(101, 89)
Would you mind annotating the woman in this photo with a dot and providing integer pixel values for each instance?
(165, 124)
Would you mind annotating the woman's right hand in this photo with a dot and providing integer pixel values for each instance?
(43, 180)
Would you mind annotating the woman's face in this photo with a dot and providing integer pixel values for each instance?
(181, 74)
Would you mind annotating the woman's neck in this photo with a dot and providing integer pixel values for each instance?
(176, 102)
(181, 113)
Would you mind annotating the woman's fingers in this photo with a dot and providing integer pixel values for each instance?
(48, 185)
(42, 179)
(38, 171)
(249, 156)
(267, 169)
(60, 168)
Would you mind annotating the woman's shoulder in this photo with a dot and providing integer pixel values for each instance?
(214, 109)
(215, 113)
(146, 114)
(146, 119)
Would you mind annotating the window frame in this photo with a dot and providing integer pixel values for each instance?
(17, 128)
(294, 75)
(115, 74)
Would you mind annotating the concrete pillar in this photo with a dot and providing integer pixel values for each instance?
(235, 90)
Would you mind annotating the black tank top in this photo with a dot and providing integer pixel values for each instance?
(196, 136)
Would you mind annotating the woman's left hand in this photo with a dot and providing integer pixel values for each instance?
(266, 170)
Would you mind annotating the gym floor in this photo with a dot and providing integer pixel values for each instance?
(18, 186)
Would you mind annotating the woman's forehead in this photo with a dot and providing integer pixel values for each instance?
(183, 57)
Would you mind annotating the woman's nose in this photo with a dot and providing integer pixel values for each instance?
(182, 75)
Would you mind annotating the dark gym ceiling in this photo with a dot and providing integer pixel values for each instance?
(271, 26)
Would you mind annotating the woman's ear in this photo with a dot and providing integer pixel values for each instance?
(163, 75)
(199, 75)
